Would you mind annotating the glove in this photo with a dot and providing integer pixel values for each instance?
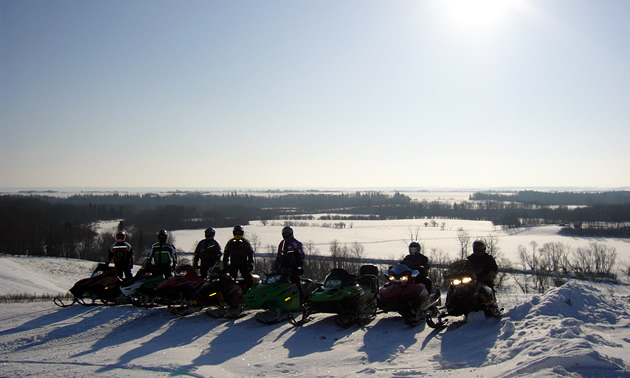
(250, 267)
(300, 271)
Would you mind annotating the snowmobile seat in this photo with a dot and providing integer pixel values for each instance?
(368, 270)
(369, 277)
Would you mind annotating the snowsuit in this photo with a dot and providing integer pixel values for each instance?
(122, 254)
(209, 252)
(485, 268)
(162, 259)
(238, 256)
(289, 262)
(420, 263)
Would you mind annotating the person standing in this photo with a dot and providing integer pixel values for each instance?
(208, 251)
(238, 256)
(122, 254)
(162, 258)
(290, 259)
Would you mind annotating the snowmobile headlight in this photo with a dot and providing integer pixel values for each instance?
(333, 283)
(391, 277)
(466, 280)
(457, 282)
(404, 278)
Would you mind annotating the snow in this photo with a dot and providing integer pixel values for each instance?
(388, 239)
(579, 329)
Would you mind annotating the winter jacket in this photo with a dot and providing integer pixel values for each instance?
(121, 253)
(290, 255)
(238, 252)
(414, 262)
(162, 254)
(485, 267)
(209, 252)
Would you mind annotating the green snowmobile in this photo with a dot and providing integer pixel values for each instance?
(278, 297)
(351, 297)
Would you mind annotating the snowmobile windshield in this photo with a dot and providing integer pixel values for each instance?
(333, 282)
(272, 278)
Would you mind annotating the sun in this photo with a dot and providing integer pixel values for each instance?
(471, 16)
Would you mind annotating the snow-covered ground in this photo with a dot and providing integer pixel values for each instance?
(579, 329)
(388, 239)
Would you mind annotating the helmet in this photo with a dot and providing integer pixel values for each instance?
(287, 232)
(238, 230)
(479, 246)
(210, 232)
(121, 236)
(162, 235)
(414, 248)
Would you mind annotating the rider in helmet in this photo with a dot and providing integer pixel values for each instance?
(290, 258)
(485, 268)
(208, 251)
(483, 264)
(162, 258)
(122, 254)
(415, 260)
(239, 256)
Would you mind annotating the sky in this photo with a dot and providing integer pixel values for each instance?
(314, 94)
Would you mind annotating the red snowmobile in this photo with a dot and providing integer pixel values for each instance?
(407, 296)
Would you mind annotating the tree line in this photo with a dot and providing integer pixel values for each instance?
(54, 226)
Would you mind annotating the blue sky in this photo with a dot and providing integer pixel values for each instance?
(315, 94)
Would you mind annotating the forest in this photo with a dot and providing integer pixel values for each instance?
(44, 225)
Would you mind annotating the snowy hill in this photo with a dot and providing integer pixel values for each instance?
(581, 328)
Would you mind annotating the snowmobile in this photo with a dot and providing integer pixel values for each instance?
(223, 295)
(177, 292)
(465, 295)
(103, 285)
(351, 297)
(278, 297)
(140, 290)
(407, 296)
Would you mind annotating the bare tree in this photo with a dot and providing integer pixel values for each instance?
(597, 259)
(556, 256)
(464, 241)
(414, 233)
(254, 240)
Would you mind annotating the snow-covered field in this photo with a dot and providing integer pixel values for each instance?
(580, 329)
(389, 239)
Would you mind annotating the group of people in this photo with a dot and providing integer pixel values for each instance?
(238, 257)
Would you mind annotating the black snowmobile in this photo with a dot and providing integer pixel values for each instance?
(103, 285)
(465, 295)
(351, 297)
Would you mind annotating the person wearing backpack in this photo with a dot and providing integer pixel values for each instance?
(121, 253)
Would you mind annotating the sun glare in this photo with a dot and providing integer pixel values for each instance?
(468, 16)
